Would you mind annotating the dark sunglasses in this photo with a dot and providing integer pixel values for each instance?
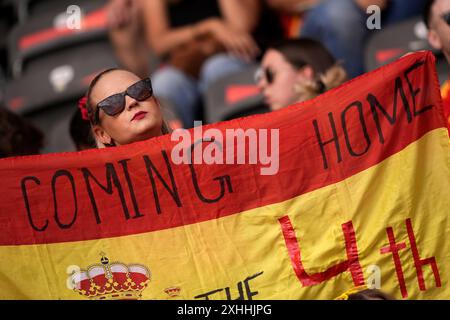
(446, 18)
(266, 73)
(115, 104)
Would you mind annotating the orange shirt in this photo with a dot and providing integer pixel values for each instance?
(445, 92)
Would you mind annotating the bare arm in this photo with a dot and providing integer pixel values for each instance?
(162, 38)
(242, 15)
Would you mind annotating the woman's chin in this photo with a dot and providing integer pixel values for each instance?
(147, 132)
(275, 106)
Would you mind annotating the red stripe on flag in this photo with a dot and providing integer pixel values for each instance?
(67, 197)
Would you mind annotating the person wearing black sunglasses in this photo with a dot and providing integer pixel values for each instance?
(296, 70)
(437, 19)
(122, 109)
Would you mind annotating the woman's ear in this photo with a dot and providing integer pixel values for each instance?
(305, 72)
(434, 40)
(101, 136)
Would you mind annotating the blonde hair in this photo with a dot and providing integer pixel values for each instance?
(305, 52)
(332, 78)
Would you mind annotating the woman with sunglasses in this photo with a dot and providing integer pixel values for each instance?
(122, 109)
(437, 19)
(296, 70)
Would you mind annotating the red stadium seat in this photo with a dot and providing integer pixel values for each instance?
(51, 84)
(234, 96)
(392, 42)
(46, 31)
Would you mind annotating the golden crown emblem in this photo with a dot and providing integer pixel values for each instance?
(172, 291)
(111, 281)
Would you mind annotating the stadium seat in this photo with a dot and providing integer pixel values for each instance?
(20, 8)
(47, 30)
(40, 7)
(25, 9)
(51, 85)
(234, 96)
(392, 42)
(7, 21)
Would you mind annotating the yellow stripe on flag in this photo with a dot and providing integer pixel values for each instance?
(246, 255)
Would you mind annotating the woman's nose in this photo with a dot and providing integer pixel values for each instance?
(130, 102)
(261, 83)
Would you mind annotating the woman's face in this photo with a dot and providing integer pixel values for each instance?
(140, 120)
(278, 89)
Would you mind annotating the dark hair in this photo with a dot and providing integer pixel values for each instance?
(90, 106)
(80, 132)
(369, 294)
(305, 51)
(427, 12)
(18, 137)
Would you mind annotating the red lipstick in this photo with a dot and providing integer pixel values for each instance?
(139, 115)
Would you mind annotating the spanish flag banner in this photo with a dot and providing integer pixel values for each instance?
(345, 190)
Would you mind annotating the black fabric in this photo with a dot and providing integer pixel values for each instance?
(269, 29)
(185, 12)
(42, 83)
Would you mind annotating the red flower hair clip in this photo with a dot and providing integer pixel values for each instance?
(82, 106)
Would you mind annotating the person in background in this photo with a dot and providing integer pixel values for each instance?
(126, 32)
(197, 41)
(296, 70)
(292, 14)
(18, 137)
(341, 25)
(291, 6)
(122, 109)
(437, 19)
(201, 42)
(80, 130)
